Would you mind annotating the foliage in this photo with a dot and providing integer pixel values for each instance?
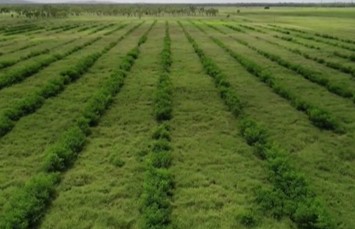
(60, 11)
(28, 207)
(321, 118)
(158, 183)
(290, 189)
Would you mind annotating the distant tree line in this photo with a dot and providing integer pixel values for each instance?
(58, 11)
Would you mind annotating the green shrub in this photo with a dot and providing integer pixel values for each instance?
(6, 124)
(116, 161)
(248, 219)
(62, 154)
(26, 207)
(252, 132)
(162, 132)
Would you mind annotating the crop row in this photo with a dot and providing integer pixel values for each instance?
(330, 64)
(327, 36)
(8, 63)
(293, 40)
(65, 28)
(158, 182)
(317, 116)
(22, 31)
(252, 28)
(32, 102)
(313, 38)
(350, 57)
(30, 45)
(234, 28)
(290, 194)
(114, 30)
(305, 72)
(88, 27)
(337, 66)
(101, 28)
(19, 74)
(215, 28)
(28, 204)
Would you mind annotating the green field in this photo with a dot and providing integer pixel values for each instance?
(241, 120)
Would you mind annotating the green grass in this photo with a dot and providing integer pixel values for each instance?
(217, 161)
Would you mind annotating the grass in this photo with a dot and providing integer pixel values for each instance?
(198, 141)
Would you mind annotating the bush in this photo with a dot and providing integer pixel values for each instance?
(29, 202)
(162, 132)
(63, 154)
(6, 124)
(252, 132)
(248, 219)
(322, 119)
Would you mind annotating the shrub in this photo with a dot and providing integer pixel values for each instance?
(252, 132)
(6, 124)
(62, 155)
(162, 132)
(248, 219)
(29, 202)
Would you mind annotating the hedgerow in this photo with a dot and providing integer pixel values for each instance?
(293, 40)
(115, 30)
(321, 118)
(327, 36)
(32, 102)
(305, 35)
(215, 28)
(25, 207)
(350, 57)
(235, 28)
(158, 182)
(101, 28)
(225, 91)
(19, 74)
(290, 194)
(8, 63)
(30, 45)
(336, 66)
(28, 205)
(312, 76)
(252, 28)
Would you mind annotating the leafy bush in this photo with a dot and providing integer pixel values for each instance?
(248, 219)
(252, 132)
(26, 207)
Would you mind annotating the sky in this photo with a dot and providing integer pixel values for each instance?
(187, 1)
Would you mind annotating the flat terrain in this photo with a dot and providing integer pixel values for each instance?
(257, 128)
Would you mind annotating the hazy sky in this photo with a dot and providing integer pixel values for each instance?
(187, 1)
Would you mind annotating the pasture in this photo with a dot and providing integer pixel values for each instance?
(241, 120)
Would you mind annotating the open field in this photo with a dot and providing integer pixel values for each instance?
(242, 120)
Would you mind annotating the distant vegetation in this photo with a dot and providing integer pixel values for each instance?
(58, 11)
